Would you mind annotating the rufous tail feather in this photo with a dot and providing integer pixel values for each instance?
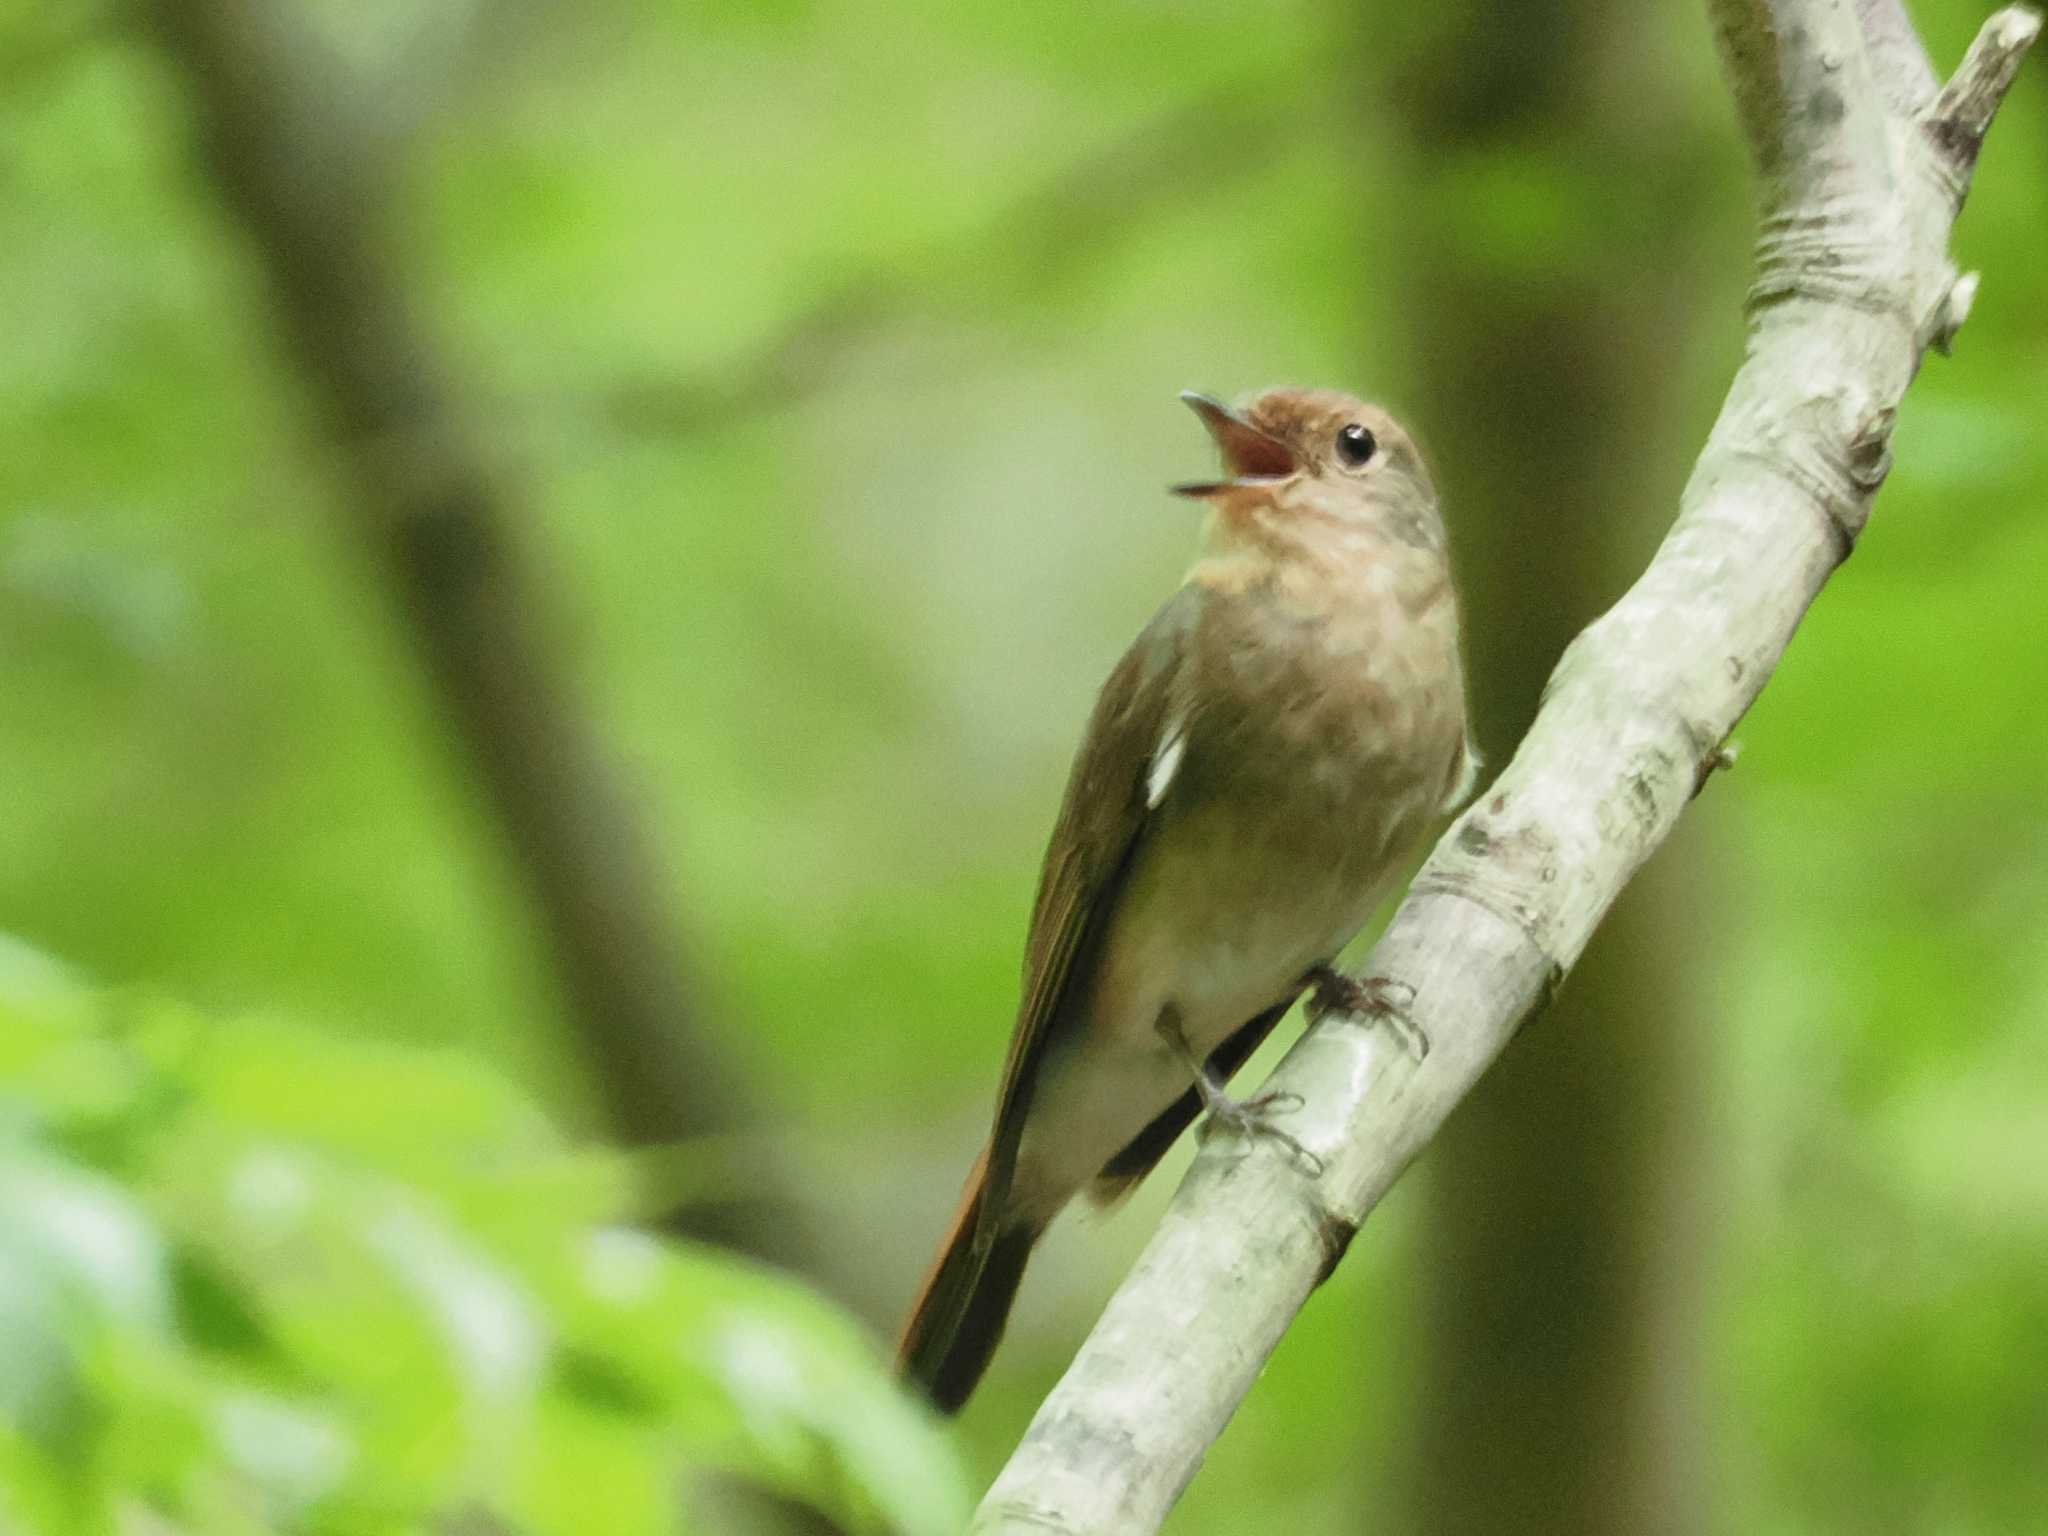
(958, 1318)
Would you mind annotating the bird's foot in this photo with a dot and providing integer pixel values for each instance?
(1372, 997)
(1253, 1117)
(1248, 1117)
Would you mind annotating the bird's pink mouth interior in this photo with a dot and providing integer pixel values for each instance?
(1250, 455)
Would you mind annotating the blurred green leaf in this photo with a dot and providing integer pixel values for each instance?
(282, 1316)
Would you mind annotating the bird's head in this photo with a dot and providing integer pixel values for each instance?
(1304, 457)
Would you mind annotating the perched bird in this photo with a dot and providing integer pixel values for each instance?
(1259, 766)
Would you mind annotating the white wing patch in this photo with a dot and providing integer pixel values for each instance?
(1467, 777)
(1165, 764)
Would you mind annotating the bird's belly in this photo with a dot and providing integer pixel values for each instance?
(1211, 934)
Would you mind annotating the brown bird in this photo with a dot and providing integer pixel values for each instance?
(1259, 766)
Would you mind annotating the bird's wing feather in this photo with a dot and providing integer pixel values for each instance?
(1126, 762)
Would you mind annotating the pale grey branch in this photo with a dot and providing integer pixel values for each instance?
(1898, 62)
(1969, 101)
(1862, 181)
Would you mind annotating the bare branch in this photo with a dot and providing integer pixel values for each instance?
(1962, 115)
(1855, 283)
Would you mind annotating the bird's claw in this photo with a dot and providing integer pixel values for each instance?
(1372, 997)
(1253, 1117)
(1279, 1100)
(1248, 1117)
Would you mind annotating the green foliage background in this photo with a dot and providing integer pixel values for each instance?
(843, 592)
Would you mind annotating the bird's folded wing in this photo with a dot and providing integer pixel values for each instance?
(1135, 741)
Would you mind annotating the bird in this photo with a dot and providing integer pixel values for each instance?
(1257, 770)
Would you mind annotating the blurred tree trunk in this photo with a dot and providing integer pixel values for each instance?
(280, 131)
(1543, 242)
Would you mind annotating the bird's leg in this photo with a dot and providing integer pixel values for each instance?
(1372, 997)
(1248, 1117)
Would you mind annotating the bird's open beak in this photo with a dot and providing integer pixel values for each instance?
(1251, 456)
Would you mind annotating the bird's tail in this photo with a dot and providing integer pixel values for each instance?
(958, 1317)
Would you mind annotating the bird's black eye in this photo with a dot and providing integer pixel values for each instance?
(1355, 445)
